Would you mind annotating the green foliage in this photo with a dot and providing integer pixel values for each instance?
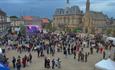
(13, 17)
(49, 27)
(22, 29)
(67, 29)
(76, 30)
(108, 31)
(10, 30)
(113, 32)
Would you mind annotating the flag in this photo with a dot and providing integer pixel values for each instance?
(67, 1)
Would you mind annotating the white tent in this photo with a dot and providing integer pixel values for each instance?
(110, 39)
(105, 65)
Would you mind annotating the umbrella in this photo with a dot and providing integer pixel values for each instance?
(3, 67)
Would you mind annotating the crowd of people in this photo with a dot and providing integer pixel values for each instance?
(52, 63)
(67, 43)
(21, 62)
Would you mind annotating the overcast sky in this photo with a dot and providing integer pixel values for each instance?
(46, 8)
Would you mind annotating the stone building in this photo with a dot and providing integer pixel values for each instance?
(94, 21)
(70, 17)
(4, 25)
(31, 20)
(15, 23)
(111, 25)
(100, 20)
(73, 17)
(87, 20)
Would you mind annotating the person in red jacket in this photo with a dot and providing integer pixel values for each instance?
(24, 62)
(101, 50)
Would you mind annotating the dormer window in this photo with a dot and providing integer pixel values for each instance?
(67, 12)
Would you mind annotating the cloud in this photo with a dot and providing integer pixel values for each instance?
(111, 4)
(103, 6)
(47, 7)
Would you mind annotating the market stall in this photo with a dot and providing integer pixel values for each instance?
(105, 65)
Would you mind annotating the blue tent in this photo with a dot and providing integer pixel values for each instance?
(4, 67)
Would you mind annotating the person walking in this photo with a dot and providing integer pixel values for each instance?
(18, 65)
(82, 57)
(48, 63)
(58, 63)
(45, 62)
(38, 50)
(104, 54)
(74, 53)
(65, 52)
(86, 55)
(53, 64)
(91, 50)
(79, 56)
(97, 50)
(14, 62)
(30, 58)
(24, 62)
(68, 49)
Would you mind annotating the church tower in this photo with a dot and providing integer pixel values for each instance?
(87, 19)
(67, 3)
(88, 6)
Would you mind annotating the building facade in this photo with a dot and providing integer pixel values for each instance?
(99, 19)
(4, 25)
(69, 17)
(31, 20)
(15, 23)
(73, 17)
(94, 21)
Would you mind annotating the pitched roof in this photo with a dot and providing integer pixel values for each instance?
(98, 15)
(45, 20)
(31, 18)
(68, 11)
(2, 13)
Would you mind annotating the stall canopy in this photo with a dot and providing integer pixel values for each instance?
(105, 65)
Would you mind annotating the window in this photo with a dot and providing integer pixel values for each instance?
(54, 18)
(67, 12)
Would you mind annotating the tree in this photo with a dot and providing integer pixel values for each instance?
(108, 31)
(10, 30)
(61, 26)
(77, 30)
(48, 26)
(113, 32)
(111, 20)
(114, 56)
(13, 17)
(22, 29)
